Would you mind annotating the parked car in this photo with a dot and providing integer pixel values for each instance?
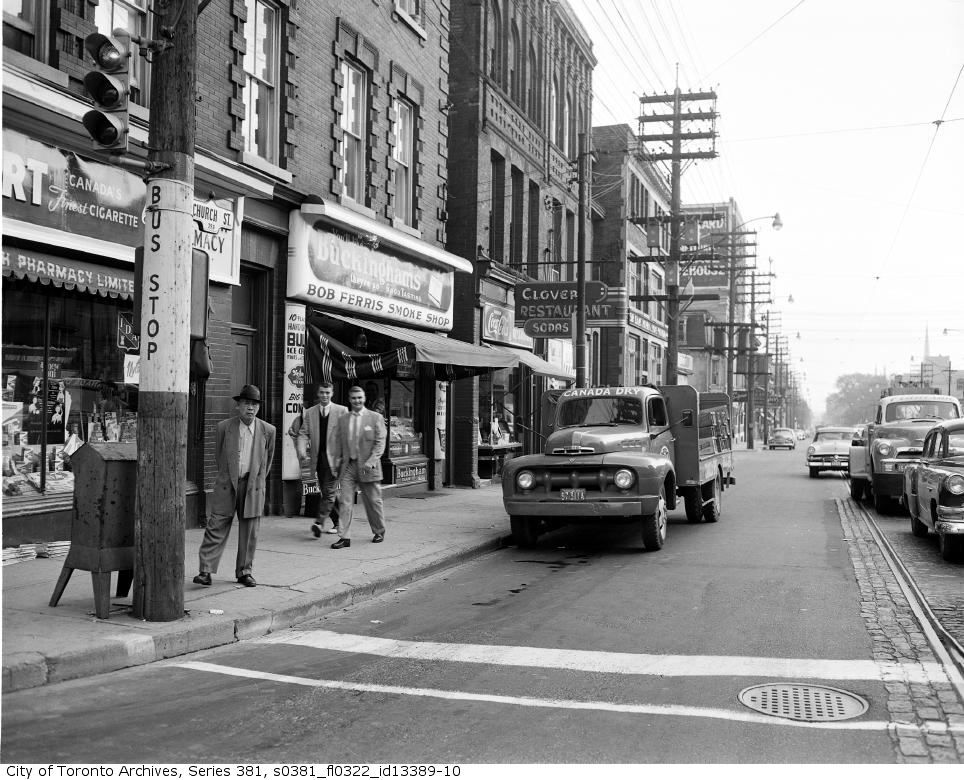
(934, 489)
(829, 450)
(801, 434)
(782, 437)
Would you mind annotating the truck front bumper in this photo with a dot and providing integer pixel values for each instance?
(890, 484)
(611, 507)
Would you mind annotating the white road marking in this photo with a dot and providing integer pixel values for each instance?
(568, 704)
(615, 663)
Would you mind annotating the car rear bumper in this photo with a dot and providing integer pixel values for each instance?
(889, 484)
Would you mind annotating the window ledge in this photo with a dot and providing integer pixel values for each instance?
(354, 205)
(399, 224)
(411, 22)
(261, 164)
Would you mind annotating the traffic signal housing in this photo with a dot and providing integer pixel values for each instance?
(109, 86)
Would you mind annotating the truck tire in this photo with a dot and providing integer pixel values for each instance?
(693, 504)
(525, 530)
(814, 473)
(857, 489)
(654, 525)
(714, 509)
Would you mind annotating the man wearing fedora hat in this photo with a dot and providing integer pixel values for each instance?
(243, 452)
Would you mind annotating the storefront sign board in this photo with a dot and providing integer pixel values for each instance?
(293, 388)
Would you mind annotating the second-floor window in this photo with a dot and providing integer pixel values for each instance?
(132, 16)
(262, 66)
(24, 22)
(404, 154)
(354, 126)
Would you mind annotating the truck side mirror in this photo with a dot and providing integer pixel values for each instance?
(687, 419)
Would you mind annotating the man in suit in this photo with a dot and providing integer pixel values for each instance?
(243, 452)
(318, 434)
(358, 457)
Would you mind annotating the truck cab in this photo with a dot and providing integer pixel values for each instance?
(622, 455)
(894, 440)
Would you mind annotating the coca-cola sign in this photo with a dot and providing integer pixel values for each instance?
(498, 324)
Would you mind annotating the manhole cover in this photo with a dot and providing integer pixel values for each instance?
(798, 701)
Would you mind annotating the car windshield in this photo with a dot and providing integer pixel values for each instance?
(599, 411)
(909, 410)
(833, 436)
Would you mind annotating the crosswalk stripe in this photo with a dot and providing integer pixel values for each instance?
(568, 704)
(615, 663)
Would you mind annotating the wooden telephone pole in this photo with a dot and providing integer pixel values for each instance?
(676, 138)
(165, 319)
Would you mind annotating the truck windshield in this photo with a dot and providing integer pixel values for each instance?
(909, 410)
(599, 411)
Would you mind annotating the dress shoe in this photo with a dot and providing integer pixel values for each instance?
(204, 578)
(316, 530)
(332, 530)
(247, 580)
(378, 538)
(341, 543)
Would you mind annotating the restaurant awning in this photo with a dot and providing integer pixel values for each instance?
(538, 365)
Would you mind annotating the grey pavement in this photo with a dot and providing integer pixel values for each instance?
(299, 578)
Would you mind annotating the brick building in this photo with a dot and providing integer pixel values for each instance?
(322, 141)
(520, 96)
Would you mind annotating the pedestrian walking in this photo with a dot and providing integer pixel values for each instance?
(358, 456)
(317, 436)
(243, 452)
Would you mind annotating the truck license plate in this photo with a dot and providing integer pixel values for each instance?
(573, 494)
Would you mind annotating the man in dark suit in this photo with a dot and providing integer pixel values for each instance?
(243, 452)
(358, 457)
(317, 435)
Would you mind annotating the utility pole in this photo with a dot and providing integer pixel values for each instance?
(579, 337)
(676, 155)
(165, 320)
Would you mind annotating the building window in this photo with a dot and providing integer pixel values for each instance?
(495, 42)
(515, 63)
(24, 23)
(553, 109)
(411, 8)
(532, 84)
(565, 141)
(132, 16)
(516, 227)
(497, 210)
(354, 125)
(656, 285)
(262, 66)
(656, 363)
(632, 361)
(403, 153)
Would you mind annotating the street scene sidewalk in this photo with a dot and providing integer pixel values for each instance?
(299, 577)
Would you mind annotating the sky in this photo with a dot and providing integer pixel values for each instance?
(828, 114)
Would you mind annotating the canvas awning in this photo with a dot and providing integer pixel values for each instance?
(539, 365)
(68, 273)
(450, 358)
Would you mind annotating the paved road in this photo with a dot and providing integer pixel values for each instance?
(587, 649)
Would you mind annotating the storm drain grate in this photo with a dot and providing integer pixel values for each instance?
(799, 701)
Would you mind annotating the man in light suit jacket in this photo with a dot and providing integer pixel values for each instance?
(243, 452)
(358, 457)
(318, 432)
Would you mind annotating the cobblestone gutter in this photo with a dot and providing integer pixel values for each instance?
(929, 717)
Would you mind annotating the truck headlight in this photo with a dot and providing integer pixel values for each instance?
(954, 484)
(624, 478)
(884, 449)
(525, 480)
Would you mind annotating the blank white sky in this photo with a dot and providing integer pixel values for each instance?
(826, 115)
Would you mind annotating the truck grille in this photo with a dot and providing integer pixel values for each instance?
(595, 480)
(573, 450)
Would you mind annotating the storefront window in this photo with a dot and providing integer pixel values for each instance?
(403, 439)
(497, 410)
(63, 384)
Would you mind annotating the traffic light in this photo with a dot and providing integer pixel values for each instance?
(109, 85)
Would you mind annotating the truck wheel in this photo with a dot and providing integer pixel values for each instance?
(714, 509)
(525, 530)
(952, 547)
(693, 503)
(868, 491)
(654, 525)
(814, 473)
(856, 489)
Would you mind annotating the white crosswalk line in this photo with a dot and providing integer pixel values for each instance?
(615, 663)
(568, 704)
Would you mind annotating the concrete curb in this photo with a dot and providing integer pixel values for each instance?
(202, 631)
